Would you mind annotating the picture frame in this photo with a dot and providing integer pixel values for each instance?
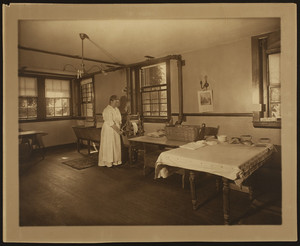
(205, 100)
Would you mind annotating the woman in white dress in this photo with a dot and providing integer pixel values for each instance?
(110, 143)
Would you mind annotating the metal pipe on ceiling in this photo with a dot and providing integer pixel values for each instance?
(70, 56)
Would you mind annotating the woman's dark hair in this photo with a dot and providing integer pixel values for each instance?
(112, 98)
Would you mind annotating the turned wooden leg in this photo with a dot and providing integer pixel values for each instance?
(89, 147)
(193, 189)
(226, 208)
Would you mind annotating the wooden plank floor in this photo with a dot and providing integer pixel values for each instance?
(53, 194)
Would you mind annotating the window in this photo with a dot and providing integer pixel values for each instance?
(57, 94)
(266, 80)
(87, 97)
(28, 94)
(154, 91)
(274, 92)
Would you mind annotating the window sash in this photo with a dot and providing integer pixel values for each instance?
(59, 107)
(27, 111)
(87, 97)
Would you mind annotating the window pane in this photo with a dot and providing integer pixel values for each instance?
(50, 111)
(276, 110)
(49, 102)
(155, 107)
(89, 106)
(83, 110)
(154, 97)
(163, 107)
(154, 75)
(274, 68)
(155, 114)
(146, 98)
(58, 103)
(163, 113)
(66, 111)
(163, 94)
(65, 102)
(58, 111)
(32, 113)
(23, 113)
(146, 107)
(22, 102)
(32, 102)
(89, 112)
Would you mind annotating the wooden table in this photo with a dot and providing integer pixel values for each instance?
(228, 161)
(144, 141)
(33, 138)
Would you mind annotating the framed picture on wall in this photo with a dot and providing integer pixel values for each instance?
(205, 101)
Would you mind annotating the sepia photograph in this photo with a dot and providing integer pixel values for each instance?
(109, 137)
(205, 101)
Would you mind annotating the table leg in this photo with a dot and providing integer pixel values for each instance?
(89, 147)
(226, 208)
(193, 189)
(78, 145)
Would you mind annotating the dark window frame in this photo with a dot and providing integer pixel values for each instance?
(135, 82)
(262, 46)
(41, 99)
(81, 97)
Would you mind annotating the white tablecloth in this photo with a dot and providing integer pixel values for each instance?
(233, 161)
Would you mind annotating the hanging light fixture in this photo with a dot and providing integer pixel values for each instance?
(82, 71)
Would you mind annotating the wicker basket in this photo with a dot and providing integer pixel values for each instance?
(183, 133)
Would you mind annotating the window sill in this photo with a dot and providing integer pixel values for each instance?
(266, 124)
(155, 120)
(47, 119)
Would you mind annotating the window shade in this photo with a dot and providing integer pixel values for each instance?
(57, 88)
(28, 87)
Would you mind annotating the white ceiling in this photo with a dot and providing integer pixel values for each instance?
(128, 41)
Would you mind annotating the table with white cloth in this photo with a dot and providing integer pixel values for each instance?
(231, 162)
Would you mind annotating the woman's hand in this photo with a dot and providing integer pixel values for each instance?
(117, 129)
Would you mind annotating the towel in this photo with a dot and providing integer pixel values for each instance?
(135, 128)
(193, 145)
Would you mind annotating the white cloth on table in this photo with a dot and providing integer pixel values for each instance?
(110, 143)
(235, 162)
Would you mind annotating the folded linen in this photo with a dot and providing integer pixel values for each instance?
(193, 145)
